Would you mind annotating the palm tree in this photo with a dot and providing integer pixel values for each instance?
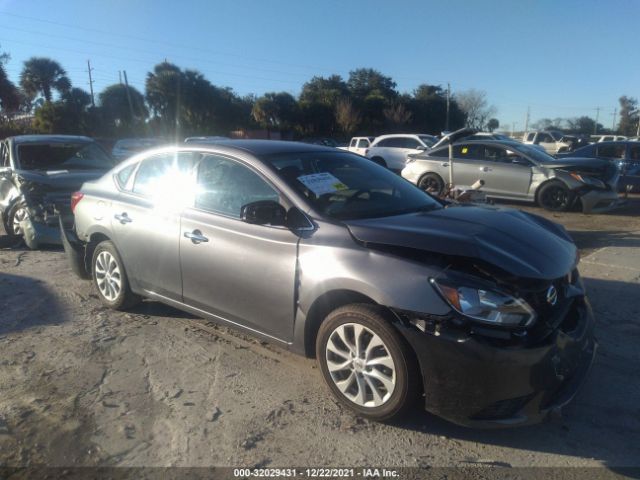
(41, 75)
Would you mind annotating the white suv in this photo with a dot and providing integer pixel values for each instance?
(391, 151)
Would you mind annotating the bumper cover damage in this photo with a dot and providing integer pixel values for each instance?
(477, 381)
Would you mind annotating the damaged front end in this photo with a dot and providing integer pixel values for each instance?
(519, 354)
(594, 184)
(45, 208)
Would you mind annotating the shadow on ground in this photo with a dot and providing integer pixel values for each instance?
(27, 302)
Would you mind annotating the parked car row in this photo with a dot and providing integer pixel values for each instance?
(515, 171)
(476, 312)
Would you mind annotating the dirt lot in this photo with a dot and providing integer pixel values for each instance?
(82, 385)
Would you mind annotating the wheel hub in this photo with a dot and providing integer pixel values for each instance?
(360, 365)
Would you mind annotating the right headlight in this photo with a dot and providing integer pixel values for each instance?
(485, 305)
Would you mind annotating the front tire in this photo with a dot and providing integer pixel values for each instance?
(110, 278)
(16, 214)
(555, 196)
(367, 365)
(380, 161)
(431, 183)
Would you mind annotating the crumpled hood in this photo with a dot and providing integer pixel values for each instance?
(519, 243)
(60, 179)
(577, 163)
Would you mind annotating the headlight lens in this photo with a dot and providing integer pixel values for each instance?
(485, 305)
(588, 180)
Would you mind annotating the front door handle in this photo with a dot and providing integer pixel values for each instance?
(196, 237)
(445, 164)
(484, 169)
(122, 218)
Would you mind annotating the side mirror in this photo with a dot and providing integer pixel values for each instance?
(519, 161)
(265, 212)
(421, 147)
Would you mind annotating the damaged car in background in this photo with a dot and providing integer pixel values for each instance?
(514, 171)
(478, 312)
(38, 174)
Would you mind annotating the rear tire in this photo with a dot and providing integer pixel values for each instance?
(110, 278)
(365, 362)
(431, 183)
(555, 196)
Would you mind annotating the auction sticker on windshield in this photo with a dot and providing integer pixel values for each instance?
(322, 183)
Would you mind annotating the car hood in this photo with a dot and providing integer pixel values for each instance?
(519, 243)
(453, 137)
(60, 179)
(568, 162)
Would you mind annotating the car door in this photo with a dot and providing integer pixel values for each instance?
(507, 173)
(362, 146)
(547, 142)
(7, 189)
(145, 220)
(240, 272)
(468, 164)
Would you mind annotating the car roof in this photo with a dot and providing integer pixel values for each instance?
(394, 135)
(266, 147)
(24, 139)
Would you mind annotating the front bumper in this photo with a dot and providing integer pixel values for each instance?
(474, 381)
(600, 201)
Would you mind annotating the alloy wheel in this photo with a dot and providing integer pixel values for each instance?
(108, 276)
(360, 365)
(430, 185)
(19, 215)
(556, 198)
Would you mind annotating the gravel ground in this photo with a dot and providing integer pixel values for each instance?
(83, 385)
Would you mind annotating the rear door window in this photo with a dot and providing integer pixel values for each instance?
(164, 174)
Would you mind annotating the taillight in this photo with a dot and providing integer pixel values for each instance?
(75, 199)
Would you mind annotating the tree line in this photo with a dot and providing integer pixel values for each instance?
(181, 102)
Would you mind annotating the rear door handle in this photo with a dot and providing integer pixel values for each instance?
(445, 164)
(196, 237)
(484, 169)
(122, 218)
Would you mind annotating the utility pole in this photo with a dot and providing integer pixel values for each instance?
(595, 127)
(93, 101)
(126, 83)
(526, 120)
(446, 123)
(613, 126)
(513, 129)
(120, 76)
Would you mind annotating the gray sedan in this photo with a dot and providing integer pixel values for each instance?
(316, 249)
(514, 171)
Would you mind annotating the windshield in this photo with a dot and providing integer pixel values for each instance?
(534, 153)
(63, 156)
(428, 140)
(346, 187)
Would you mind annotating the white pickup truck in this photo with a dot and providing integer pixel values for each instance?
(552, 141)
(359, 145)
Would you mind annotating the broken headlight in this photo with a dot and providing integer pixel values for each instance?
(594, 182)
(485, 305)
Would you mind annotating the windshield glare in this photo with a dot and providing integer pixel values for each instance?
(346, 187)
(63, 156)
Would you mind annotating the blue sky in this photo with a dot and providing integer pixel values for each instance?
(561, 58)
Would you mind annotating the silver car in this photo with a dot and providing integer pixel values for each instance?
(514, 171)
(398, 296)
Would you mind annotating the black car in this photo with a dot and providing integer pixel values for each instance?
(626, 154)
(38, 173)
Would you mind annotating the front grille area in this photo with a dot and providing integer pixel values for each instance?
(552, 317)
(503, 408)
